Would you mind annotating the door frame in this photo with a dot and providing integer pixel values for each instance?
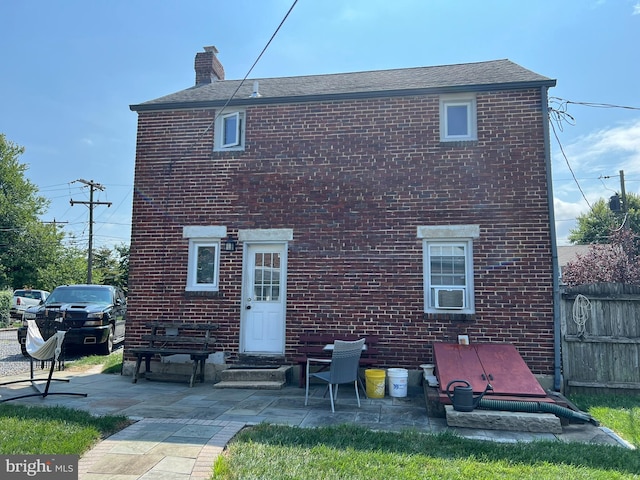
(251, 238)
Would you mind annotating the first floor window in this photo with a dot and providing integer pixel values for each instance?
(447, 275)
(204, 258)
(448, 268)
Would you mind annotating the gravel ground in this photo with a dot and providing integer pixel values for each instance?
(12, 362)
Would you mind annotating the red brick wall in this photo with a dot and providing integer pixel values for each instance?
(353, 179)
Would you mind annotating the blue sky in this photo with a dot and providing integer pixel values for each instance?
(70, 69)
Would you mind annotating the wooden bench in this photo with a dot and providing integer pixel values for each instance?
(176, 338)
(313, 346)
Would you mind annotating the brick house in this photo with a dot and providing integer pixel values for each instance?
(412, 204)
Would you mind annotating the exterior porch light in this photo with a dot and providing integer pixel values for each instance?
(229, 244)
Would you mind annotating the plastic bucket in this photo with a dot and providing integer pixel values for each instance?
(398, 381)
(375, 383)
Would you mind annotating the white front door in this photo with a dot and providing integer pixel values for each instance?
(264, 298)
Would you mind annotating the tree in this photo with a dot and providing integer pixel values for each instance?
(615, 262)
(111, 267)
(25, 243)
(67, 268)
(123, 263)
(596, 225)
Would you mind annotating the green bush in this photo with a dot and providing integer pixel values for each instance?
(5, 305)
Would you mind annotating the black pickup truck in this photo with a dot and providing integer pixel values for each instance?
(92, 315)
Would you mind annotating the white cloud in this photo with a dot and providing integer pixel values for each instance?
(566, 213)
(636, 9)
(607, 149)
(602, 153)
(593, 157)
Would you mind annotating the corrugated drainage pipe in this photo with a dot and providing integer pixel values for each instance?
(536, 407)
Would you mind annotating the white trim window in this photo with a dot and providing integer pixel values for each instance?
(203, 265)
(204, 262)
(448, 268)
(229, 131)
(458, 118)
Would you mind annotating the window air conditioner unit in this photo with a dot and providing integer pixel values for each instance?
(450, 298)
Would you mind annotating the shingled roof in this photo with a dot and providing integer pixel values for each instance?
(481, 76)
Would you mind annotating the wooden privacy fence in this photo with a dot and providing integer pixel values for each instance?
(600, 326)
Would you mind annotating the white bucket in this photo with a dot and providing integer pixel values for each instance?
(397, 381)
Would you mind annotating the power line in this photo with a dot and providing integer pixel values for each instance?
(562, 101)
(569, 165)
(219, 111)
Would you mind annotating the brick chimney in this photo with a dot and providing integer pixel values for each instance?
(208, 67)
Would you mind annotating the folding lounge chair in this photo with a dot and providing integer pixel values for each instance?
(41, 350)
(345, 361)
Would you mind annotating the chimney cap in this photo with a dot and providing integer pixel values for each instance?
(211, 48)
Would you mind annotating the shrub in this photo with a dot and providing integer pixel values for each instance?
(615, 262)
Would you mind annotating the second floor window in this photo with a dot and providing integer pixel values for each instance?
(457, 118)
(229, 131)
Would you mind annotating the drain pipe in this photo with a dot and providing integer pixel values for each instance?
(557, 357)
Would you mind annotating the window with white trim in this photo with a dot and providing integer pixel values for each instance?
(458, 118)
(229, 131)
(448, 268)
(204, 262)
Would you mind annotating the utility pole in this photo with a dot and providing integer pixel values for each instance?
(623, 193)
(92, 187)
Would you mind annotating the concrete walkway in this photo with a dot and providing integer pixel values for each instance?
(180, 430)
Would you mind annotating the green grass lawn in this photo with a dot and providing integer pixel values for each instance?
(110, 364)
(278, 452)
(620, 413)
(58, 430)
(349, 452)
(52, 430)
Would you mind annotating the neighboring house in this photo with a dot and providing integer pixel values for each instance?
(569, 253)
(412, 204)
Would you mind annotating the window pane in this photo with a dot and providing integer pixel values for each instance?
(206, 266)
(447, 264)
(230, 130)
(457, 120)
(266, 286)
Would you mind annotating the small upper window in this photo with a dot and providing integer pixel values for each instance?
(457, 118)
(229, 131)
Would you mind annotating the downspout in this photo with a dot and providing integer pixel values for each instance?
(557, 357)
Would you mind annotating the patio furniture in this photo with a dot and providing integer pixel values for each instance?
(343, 368)
(43, 351)
(315, 346)
(176, 338)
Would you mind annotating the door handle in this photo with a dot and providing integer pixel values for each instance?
(248, 307)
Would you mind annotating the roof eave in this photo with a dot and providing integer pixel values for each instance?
(145, 107)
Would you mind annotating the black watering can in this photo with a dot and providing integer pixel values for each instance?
(462, 399)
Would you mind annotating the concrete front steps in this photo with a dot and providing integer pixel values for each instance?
(250, 376)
